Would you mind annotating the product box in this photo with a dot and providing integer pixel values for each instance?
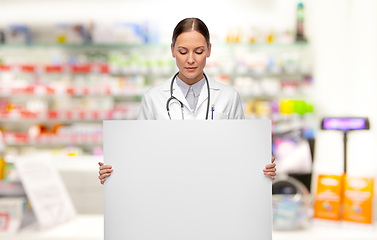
(327, 200)
(358, 199)
(11, 213)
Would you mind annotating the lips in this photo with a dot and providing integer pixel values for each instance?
(190, 68)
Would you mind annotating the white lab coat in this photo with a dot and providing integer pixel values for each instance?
(225, 99)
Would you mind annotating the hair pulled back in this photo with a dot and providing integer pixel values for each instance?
(191, 24)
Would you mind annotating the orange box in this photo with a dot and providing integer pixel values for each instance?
(327, 200)
(358, 199)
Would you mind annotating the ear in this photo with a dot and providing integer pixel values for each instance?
(209, 50)
(172, 50)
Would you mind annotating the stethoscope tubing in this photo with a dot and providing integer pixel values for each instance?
(174, 98)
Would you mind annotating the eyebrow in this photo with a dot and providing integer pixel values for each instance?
(187, 48)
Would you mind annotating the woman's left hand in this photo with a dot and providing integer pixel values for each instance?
(270, 169)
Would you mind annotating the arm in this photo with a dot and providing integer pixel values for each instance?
(237, 110)
(145, 112)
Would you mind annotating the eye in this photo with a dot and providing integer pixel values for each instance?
(199, 52)
(183, 53)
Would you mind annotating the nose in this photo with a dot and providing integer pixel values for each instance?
(191, 58)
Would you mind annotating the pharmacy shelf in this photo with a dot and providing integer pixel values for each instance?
(67, 115)
(77, 91)
(11, 189)
(20, 139)
(140, 69)
(90, 68)
(56, 144)
(83, 45)
(78, 163)
(157, 45)
(66, 68)
(104, 91)
(121, 79)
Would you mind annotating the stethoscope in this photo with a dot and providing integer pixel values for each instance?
(172, 97)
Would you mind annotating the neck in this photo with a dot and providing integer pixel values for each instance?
(190, 81)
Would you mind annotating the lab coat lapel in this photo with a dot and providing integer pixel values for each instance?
(203, 96)
(204, 93)
(177, 92)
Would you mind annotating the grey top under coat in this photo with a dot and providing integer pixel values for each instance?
(191, 92)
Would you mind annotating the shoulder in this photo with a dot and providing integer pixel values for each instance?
(222, 88)
(158, 89)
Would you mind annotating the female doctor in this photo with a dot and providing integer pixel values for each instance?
(190, 94)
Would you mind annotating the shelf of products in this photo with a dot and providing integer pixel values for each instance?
(65, 115)
(58, 77)
(142, 45)
(22, 139)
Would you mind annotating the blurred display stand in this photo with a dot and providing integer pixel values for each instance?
(345, 199)
(291, 204)
(41, 186)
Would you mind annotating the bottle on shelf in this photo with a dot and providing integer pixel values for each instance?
(271, 36)
(2, 37)
(2, 161)
(300, 24)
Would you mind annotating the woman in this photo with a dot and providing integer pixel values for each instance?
(196, 96)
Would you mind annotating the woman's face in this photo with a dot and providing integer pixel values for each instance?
(190, 52)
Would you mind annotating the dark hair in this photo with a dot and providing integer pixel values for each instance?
(191, 24)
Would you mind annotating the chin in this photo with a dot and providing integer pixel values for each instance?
(191, 74)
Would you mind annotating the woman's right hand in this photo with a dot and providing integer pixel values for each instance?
(104, 171)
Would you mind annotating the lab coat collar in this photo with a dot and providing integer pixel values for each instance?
(196, 88)
(213, 85)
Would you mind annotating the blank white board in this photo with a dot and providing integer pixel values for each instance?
(185, 180)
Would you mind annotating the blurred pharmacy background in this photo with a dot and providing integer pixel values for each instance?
(65, 66)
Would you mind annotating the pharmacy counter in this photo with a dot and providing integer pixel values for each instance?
(90, 227)
(83, 227)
